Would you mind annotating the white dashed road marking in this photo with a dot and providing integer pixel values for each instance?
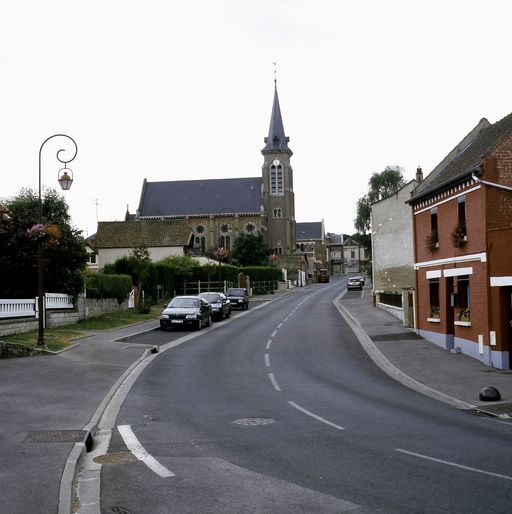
(267, 360)
(275, 385)
(318, 418)
(460, 466)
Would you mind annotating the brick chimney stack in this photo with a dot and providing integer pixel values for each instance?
(419, 174)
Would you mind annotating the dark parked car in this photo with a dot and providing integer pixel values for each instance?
(238, 297)
(355, 283)
(221, 306)
(186, 310)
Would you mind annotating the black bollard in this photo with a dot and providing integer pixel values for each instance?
(490, 394)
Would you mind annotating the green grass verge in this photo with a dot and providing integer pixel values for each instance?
(60, 338)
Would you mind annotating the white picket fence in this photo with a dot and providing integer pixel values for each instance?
(29, 307)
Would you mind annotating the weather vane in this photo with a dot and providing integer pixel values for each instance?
(275, 71)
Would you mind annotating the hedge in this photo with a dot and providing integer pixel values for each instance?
(102, 285)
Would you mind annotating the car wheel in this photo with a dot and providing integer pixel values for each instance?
(209, 322)
(228, 314)
(246, 306)
(199, 324)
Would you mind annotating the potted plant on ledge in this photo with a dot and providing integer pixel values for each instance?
(432, 241)
(463, 314)
(459, 235)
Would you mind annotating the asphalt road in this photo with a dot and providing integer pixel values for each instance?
(280, 410)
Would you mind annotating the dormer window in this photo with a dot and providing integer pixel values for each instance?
(276, 178)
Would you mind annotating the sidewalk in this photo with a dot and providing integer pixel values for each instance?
(453, 378)
(47, 405)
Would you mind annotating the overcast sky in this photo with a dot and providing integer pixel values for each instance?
(173, 90)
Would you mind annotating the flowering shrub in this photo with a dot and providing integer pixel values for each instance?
(49, 233)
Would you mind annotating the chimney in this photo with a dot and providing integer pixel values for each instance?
(419, 174)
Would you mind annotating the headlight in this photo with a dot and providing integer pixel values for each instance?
(164, 316)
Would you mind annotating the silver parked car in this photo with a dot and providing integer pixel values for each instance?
(355, 283)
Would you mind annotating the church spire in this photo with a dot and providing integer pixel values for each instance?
(276, 141)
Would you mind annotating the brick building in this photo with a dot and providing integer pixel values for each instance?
(462, 224)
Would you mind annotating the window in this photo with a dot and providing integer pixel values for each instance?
(278, 213)
(462, 288)
(276, 178)
(352, 254)
(250, 227)
(433, 220)
(434, 298)
(278, 250)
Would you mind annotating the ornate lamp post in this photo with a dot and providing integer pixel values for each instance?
(65, 178)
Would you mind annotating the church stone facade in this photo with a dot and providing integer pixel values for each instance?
(217, 210)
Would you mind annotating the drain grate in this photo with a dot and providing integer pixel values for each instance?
(252, 422)
(401, 336)
(497, 409)
(502, 410)
(56, 436)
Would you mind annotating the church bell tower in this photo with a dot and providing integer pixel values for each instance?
(277, 185)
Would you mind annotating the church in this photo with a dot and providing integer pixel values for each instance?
(199, 216)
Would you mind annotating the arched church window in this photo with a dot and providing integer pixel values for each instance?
(250, 227)
(199, 229)
(276, 178)
(278, 213)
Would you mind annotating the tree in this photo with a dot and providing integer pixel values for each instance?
(65, 256)
(184, 266)
(250, 250)
(381, 185)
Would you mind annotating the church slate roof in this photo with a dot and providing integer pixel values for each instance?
(467, 161)
(152, 233)
(200, 197)
(309, 231)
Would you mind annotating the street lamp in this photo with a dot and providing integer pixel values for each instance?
(65, 181)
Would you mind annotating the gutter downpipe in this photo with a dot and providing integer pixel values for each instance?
(491, 184)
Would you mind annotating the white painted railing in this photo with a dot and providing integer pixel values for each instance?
(58, 301)
(17, 308)
(26, 308)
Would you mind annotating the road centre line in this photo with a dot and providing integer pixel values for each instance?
(460, 466)
(318, 418)
(274, 333)
(133, 444)
(269, 342)
(267, 360)
(280, 325)
(275, 385)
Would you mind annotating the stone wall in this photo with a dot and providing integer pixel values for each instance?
(85, 308)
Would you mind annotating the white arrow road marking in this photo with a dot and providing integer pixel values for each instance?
(133, 444)
(309, 413)
(467, 468)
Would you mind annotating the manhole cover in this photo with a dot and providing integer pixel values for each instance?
(55, 436)
(120, 457)
(253, 421)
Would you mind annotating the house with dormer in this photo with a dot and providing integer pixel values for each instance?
(462, 229)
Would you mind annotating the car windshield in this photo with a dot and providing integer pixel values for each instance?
(184, 302)
(211, 297)
(236, 291)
